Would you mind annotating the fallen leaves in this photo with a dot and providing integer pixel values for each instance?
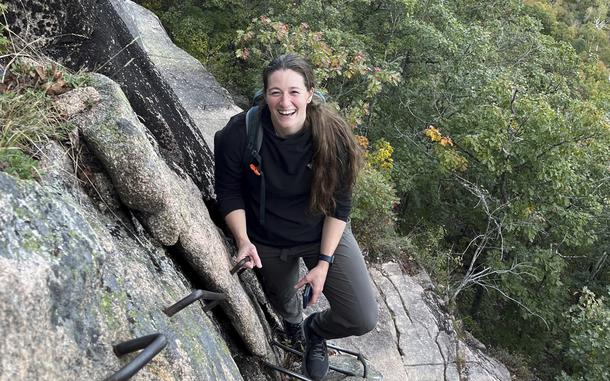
(20, 77)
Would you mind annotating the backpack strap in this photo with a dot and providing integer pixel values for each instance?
(252, 159)
(255, 136)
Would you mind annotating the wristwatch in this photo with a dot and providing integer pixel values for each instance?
(327, 258)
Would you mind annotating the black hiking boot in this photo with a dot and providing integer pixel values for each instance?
(294, 335)
(315, 357)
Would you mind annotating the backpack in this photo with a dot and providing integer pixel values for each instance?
(254, 131)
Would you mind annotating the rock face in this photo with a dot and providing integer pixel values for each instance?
(60, 26)
(174, 95)
(170, 207)
(74, 282)
(414, 340)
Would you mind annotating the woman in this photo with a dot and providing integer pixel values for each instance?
(309, 165)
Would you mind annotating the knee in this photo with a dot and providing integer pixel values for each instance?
(365, 321)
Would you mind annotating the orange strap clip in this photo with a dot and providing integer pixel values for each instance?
(254, 169)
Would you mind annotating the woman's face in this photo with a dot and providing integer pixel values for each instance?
(287, 98)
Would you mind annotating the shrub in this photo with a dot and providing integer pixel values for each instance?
(373, 217)
(588, 350)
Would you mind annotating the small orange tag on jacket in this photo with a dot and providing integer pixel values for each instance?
(255, 169)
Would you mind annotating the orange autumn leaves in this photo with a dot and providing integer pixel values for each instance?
(434, 134)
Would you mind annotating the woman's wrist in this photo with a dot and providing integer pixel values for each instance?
(243, 241)
(323, 265)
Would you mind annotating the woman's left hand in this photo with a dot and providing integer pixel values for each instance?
(316, 278)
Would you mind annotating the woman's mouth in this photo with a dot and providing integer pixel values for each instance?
(287, 112)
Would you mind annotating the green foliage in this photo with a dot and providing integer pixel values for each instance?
(374, 220)
(342, 68)
(588, 350)
(374, 202)
(516, 114)
(17, 163)
(583, 24)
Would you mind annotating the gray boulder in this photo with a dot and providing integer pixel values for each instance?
(177, 99)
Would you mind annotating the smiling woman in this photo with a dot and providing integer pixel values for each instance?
(309, 163)
(287, 98)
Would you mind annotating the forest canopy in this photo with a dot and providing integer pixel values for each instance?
(487, 131)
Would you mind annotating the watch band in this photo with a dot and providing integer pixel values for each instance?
(326, 258)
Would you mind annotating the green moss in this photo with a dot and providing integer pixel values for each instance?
(111, 306)
(107, 311)
(17, 163)
(30, 242)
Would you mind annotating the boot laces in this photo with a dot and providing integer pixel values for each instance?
(318, 351)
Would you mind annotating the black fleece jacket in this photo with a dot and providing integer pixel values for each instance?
(286, 164)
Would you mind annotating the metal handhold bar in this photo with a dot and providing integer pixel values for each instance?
(286, 371)
(193, 297)
(239, 265)
(151, 345)
(286, 348)
(359, 356)
(332, 367)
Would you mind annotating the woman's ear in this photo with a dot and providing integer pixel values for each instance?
(310, 95)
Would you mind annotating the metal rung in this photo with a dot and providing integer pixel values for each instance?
(151, 345)
(217, 297)
(331, 367)
(286, 371)
(358, 355)
(239, 267)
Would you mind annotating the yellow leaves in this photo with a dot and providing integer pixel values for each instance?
(433, 133)
(450, 158)
(380, 157)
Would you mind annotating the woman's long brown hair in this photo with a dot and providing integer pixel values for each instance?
(337, 156)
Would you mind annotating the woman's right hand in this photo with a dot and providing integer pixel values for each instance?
(247, 249)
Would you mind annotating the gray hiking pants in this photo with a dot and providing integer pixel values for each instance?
(353, 308)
